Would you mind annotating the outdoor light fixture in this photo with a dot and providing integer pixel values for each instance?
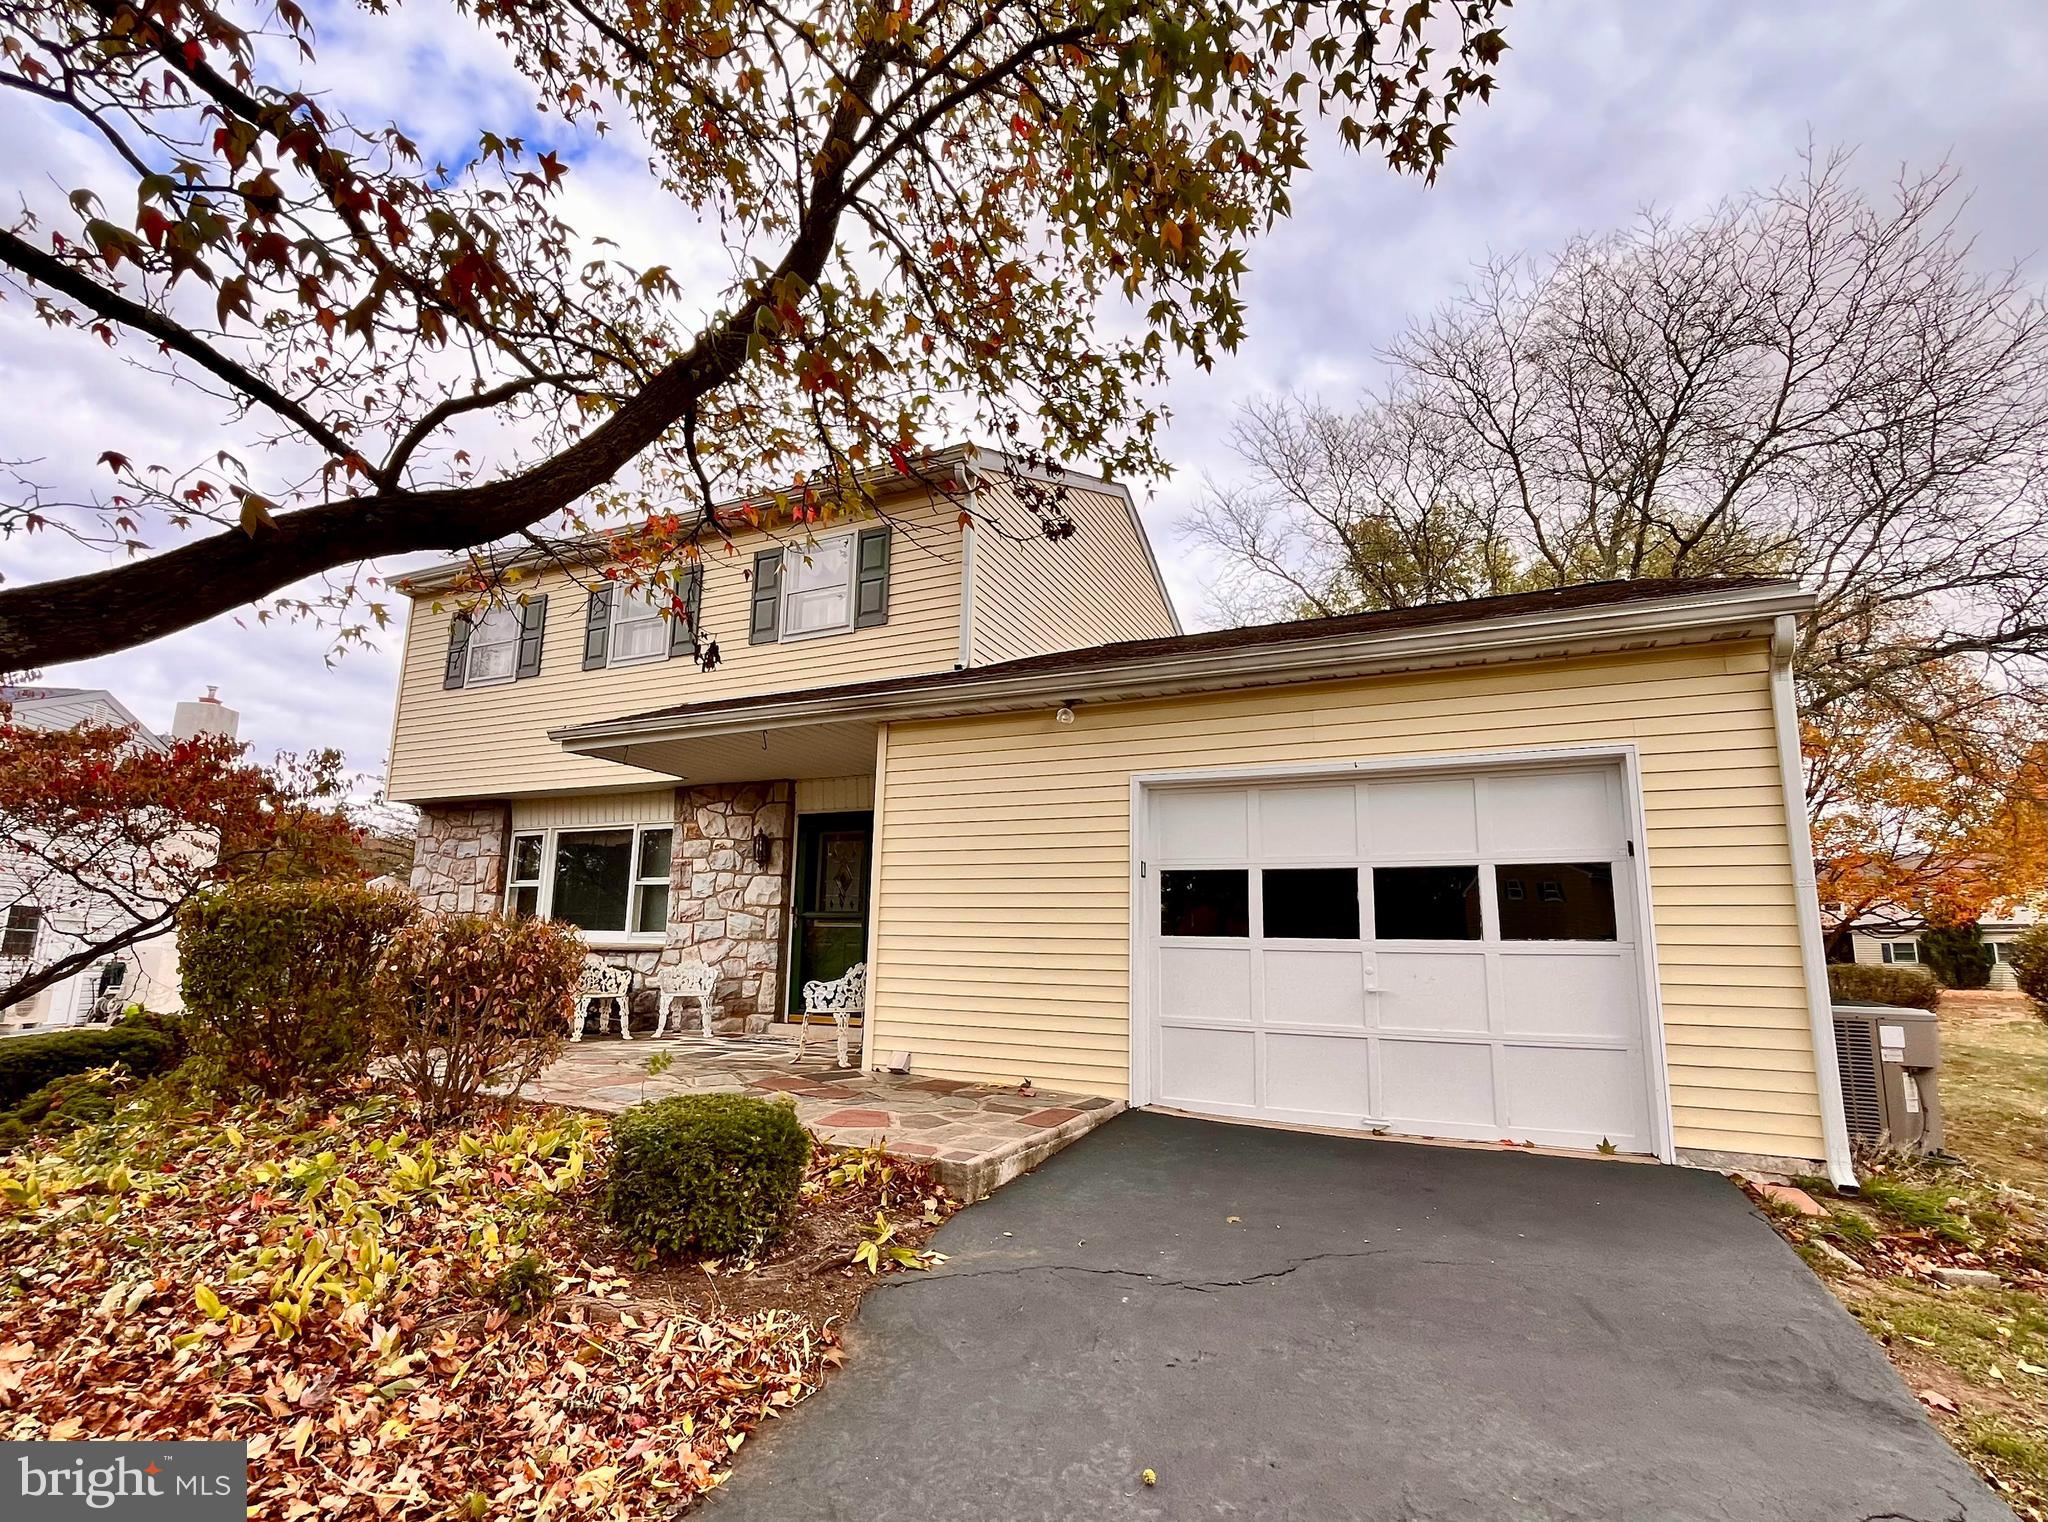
(1065, 714)
(764, 850)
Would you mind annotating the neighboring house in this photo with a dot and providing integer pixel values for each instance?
(1530, 868)
(39, 932)
(1894, 940)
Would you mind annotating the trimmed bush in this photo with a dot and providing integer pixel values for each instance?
(705, 1175)
(2029, 957)
(468, 1002)
(29, 1062)
(1853, 983)
(280, 982)
(1956, 955)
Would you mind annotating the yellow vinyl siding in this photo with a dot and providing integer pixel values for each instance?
(1033, 595)
(644, 806)
(834, 795)
(1004, 921)
(492, 741)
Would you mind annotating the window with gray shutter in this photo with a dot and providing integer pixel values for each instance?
(684, 632)
(458, 651)
(597, 629)
(533, 624)
(871, 578)
(764, 616)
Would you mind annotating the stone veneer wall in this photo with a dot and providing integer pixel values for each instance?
(458, 864)
(723, 909)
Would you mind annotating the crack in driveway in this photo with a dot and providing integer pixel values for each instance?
(1153, 1281)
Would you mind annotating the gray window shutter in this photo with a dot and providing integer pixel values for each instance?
(683, 632)
(458, 651)
(597, 629)
(533, 624)
(871, 578)
(764, 618)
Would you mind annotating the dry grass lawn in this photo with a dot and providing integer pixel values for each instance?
(1976, 1355)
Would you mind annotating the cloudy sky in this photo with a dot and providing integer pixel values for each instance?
(1606, 107)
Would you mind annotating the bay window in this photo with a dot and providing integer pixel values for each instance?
(607, 881)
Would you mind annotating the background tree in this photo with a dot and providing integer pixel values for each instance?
(929, 209)
(108, 836)
(1802, 383)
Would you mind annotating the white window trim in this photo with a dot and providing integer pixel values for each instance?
(1888, 953)
(634, 882)
(797, 554)
(469, 676)
(621, 597)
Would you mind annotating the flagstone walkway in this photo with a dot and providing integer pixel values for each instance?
(976, 1136)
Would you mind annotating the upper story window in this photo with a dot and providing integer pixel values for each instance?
(639, 632)
(18, 940)
(817, 587)
(824, 586)
(629, 626)
(501, 644)
(493, 647)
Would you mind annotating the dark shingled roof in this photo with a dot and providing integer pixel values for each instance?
(1591, 594)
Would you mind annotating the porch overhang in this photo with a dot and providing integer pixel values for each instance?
(830, 731)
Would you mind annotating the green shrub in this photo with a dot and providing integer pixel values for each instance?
(77, 1099)
(1853, 983)
(279, 981)
(705, 1175)
(468, 1002)
(29, 1062)
(2029, 957)
(523, 1286)
(1956, 955)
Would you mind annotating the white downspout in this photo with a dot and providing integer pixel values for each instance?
(966, 658)
(1834, 1127)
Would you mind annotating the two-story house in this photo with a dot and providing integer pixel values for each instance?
(1530, 868)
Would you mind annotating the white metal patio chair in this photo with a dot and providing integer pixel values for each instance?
(601, 982)
(685, 980)
(842, 999)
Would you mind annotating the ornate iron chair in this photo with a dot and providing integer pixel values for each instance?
(685, 980)
(602, 981)
(842, 998)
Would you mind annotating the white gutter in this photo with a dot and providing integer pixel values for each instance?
(971, 477)
(1116, 677)
(1834, 1126)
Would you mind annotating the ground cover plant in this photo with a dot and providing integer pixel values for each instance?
(410, 1323)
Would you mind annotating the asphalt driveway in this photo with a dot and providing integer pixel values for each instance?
(1286, 1326)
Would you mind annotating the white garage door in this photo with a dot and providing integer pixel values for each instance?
(1448, 955)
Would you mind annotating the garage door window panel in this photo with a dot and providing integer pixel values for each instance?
(1205, 902)
(1555, 901)
(1426, 903)
(1309, 903)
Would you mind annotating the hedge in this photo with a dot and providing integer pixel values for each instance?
(280, 981)
(27, 1063)
(1855, 983)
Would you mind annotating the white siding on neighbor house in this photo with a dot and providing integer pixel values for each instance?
(1003, 900)
(1033, 594)
(492, 741)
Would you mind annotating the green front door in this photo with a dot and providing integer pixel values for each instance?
(833, 854)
